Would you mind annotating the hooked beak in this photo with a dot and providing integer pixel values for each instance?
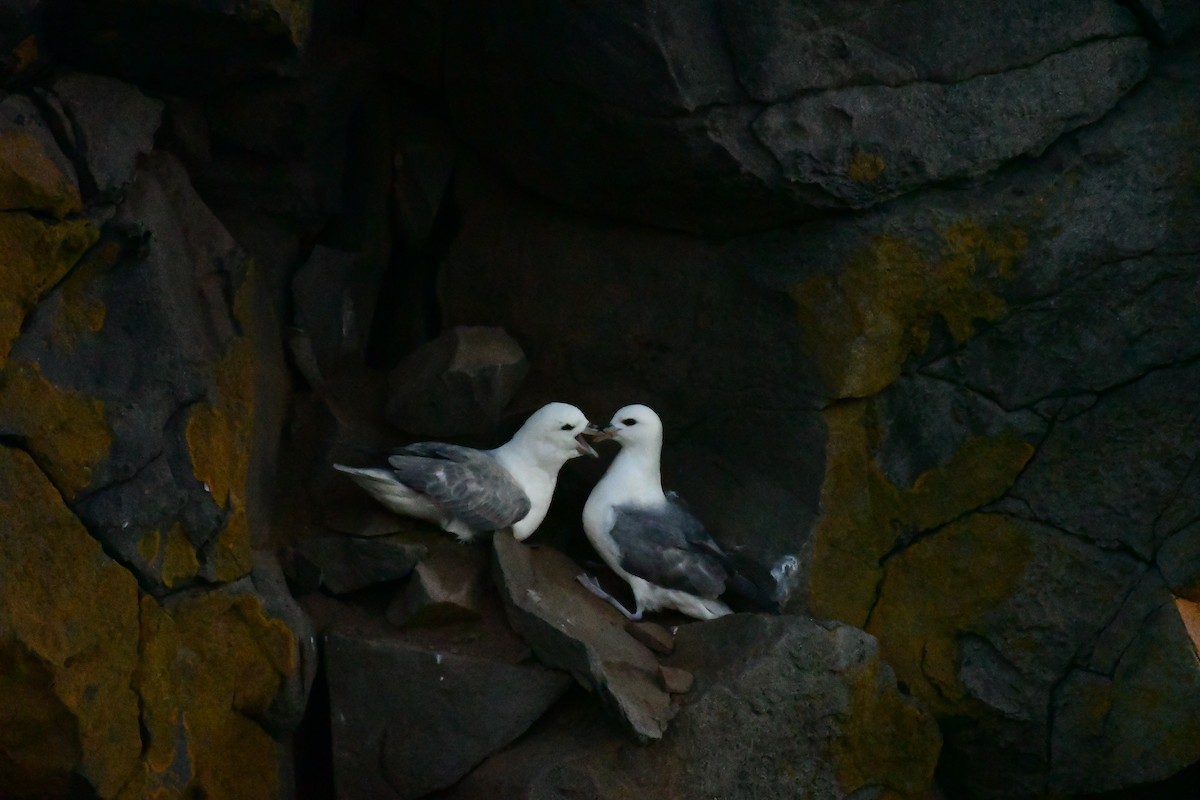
(585, 449)
(601, 433)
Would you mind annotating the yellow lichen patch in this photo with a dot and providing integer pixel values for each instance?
(79, 311)
(179, 558)
(860, 323)
(882, 734)
(148, 546)
(66, 431)
(865, 167)
(220, 441)
(31, 180)
(34, 255)
(939, 588)
(69, 613)
(26, 53)
(1189, 613)
(864, 515)
(211, 664)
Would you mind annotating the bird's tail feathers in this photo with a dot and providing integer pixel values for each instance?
(768, 588)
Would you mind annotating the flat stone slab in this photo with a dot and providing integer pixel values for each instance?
(435, 717)
(569, 628)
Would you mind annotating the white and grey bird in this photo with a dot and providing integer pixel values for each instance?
(470, 492)
(649, 537)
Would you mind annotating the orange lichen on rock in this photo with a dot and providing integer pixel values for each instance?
(78, 311)
(884, 733)
(865, 167)
(31, 179)
(34, 256)
(864, 515)
(211, 665)
(220, 437)
(940, 587)
(68, 643)
(65, 431)
(860, 323)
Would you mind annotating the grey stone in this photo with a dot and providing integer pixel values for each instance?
(162, 274)
(290, 703)
(781, 707)
(753, 114)
(1087, 338)
(211, 44)
(1132, 723)
(924, 421)
(406, 738)
(458, 384)
(569, 628)
(347, 563)
(782, 49)
(1108, 474)
(446, 586)
(292, 118)
(54, 189)
(1179, 561)
(109, 151)
(864, 145)
(1169, 20)
(333, 298)
(424, 159)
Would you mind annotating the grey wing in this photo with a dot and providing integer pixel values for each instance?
(669, 547)
(468, 483)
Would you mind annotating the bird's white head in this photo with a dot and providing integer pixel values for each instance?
(554, 434)
(634, 427)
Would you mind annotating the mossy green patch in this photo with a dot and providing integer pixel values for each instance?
(66, 432)
(211, 664)
(34, 256)
(31, 179)
(861, 322)
(69, 632)
(864, 515)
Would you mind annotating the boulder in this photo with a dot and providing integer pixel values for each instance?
(333, 299)
(108, 152)
(782, 706)
(22, 43)
(346, 563)
(169, 428)
(35, 174)
(69, 708)
(407, 737)
(458, 384)
(446, 586)
(1168, 20)
(569, 628)
(752, 114)
(212, 44)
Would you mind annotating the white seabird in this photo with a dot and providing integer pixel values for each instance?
(469, 492)
(648, 537)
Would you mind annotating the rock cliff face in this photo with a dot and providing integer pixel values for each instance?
(914, 284)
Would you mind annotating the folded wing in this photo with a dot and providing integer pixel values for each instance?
(468, 483)
(669, 547)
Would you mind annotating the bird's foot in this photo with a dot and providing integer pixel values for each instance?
(593, 586)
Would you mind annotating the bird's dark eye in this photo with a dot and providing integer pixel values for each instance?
(567, 427)
(629, 421)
